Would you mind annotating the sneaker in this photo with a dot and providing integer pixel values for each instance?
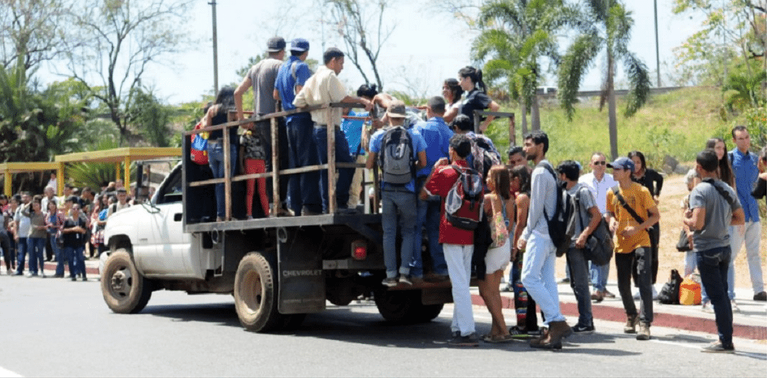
(632, 321)
(645, 332)
(608, 294)
(734, 306)
(18, 274)
(654, 293)
(470, 340)
(637, 295)
(761, 296)
(518, 333)
(583, 330)
(388, 282)
(717, 347)
(405, 280)
(85, 279)
(707, 307)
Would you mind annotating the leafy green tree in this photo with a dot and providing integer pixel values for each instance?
(30, 30)
(151, 118)
(605, 26)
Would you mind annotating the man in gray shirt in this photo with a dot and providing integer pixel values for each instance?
(539, 259)
(713, 207)
(587, 218)
(261, 77)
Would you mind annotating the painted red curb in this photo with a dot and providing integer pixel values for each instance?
(688, 323)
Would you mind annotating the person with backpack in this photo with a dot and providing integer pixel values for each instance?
(624, 204)
(538, 274)
(587, 218)
(399, 153)
(458, 243)
(713, 207)
(484, 154)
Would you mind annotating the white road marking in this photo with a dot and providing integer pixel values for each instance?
(7, 373)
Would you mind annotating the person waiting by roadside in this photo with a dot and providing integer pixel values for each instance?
(452, 94)
(21, 227)
(53, 221)
(516, 157)
(324, 87)
(302, 187)
(73, 232)
(633, 248)
(588, 217)
(714, 206)
(458, 244)
(599, 184)
(217, 115)
(437, 136)
(539, 259)
(122, 202)
(36, 237)
(471, 81)
(745, 170)
(9, 211)
(5, 240)
(652, 180)
(98, 223)
(498, 207)
(398, 200)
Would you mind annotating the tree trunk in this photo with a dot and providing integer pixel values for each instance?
(612, 110)
(524, 112)
(535, 119)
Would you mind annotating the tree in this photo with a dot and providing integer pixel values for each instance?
(30, 30)
(151, 118)
(605, 25)
(514, 35)
(360, 24)
(119, 40)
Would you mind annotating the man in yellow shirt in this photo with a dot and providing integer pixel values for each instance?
(633, 247)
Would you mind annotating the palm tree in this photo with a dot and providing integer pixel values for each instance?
(605, 26)
(514, 35)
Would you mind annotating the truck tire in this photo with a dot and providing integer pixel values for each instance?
(398, 306)
(256, 294)
(124, 289)
(428, 312)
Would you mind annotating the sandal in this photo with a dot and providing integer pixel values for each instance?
(498, 339)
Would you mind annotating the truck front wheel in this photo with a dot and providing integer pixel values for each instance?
(124, 289)
(256, 293)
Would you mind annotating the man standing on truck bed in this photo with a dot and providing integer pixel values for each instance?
(324, 87)
(261, 77)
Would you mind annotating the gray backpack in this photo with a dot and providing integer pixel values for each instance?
(396, 157)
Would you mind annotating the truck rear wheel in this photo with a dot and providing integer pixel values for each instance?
(256, 294)
(124, 289)
(428, 312)
(398, 306)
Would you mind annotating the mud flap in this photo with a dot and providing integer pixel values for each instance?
(300, 265)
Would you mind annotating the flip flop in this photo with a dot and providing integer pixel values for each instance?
(498, 339)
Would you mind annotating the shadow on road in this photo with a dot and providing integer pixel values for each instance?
(222, 313)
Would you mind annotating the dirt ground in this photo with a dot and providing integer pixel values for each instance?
(671, 222)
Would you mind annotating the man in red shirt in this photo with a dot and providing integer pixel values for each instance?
(458, 244)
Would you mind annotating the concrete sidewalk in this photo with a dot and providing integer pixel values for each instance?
(91, 268)
(749, 322)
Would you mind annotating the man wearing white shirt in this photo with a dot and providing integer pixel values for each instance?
(599, 184)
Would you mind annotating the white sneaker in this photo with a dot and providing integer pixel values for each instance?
(637, 295)
(734, 306)
(707, 307)
(654, 293)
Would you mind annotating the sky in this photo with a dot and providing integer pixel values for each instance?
(426, 46)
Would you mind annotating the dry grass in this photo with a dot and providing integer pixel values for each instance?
(671, 221)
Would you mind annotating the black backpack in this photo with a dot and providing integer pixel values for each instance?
(484, 156)
(670, 292)
(562, 223)
(396, 157)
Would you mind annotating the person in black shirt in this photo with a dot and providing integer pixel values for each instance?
(761, 186)
(471, 81)
(73, 232)
(653, 181)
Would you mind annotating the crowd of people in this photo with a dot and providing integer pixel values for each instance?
(423, 159)
(61, 229)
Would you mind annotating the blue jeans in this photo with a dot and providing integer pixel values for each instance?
(302, 187)
(36, 249)
(713, 267)
(398, 211)
(345, 174)
(539, 275)
(57, 253)
(428, 216)
(599, 274)
(76, 260)
(216, 162)
(21, 255)
(577, 264)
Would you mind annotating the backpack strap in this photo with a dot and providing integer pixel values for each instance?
(720, 190)
(558, 204)
(626, 207)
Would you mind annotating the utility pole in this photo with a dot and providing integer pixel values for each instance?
(656, 24)
(215, 50)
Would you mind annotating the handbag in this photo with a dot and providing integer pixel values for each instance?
(683, 243)
(198, 151)
(499, 232)
(599, 248)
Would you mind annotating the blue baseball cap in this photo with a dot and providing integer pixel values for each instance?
(623, 163)
(300, 45)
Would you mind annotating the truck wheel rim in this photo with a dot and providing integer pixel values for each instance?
(251, 294)
(121, 283)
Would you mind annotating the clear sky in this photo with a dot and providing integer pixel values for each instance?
(428, 46)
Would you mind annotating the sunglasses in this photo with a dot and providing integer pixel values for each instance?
(599, 163)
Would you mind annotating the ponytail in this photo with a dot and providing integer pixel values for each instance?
(474, 74)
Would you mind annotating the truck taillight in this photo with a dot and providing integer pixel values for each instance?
(359, 250)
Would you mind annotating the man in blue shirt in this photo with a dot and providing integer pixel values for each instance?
(436, 135)
(745, 170)
(398, 201)
(302, 188)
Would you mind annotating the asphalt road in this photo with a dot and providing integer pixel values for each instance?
(54, 327)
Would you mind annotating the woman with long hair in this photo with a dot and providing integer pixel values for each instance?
(53, 221)
(497, 206)
(525, 307)
(471, 81)
(216, 115)
(36, 237)
(452, 94)
(653, 181)
(723, 165)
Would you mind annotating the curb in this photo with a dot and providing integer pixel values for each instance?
(51, 266)
(688, 323)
